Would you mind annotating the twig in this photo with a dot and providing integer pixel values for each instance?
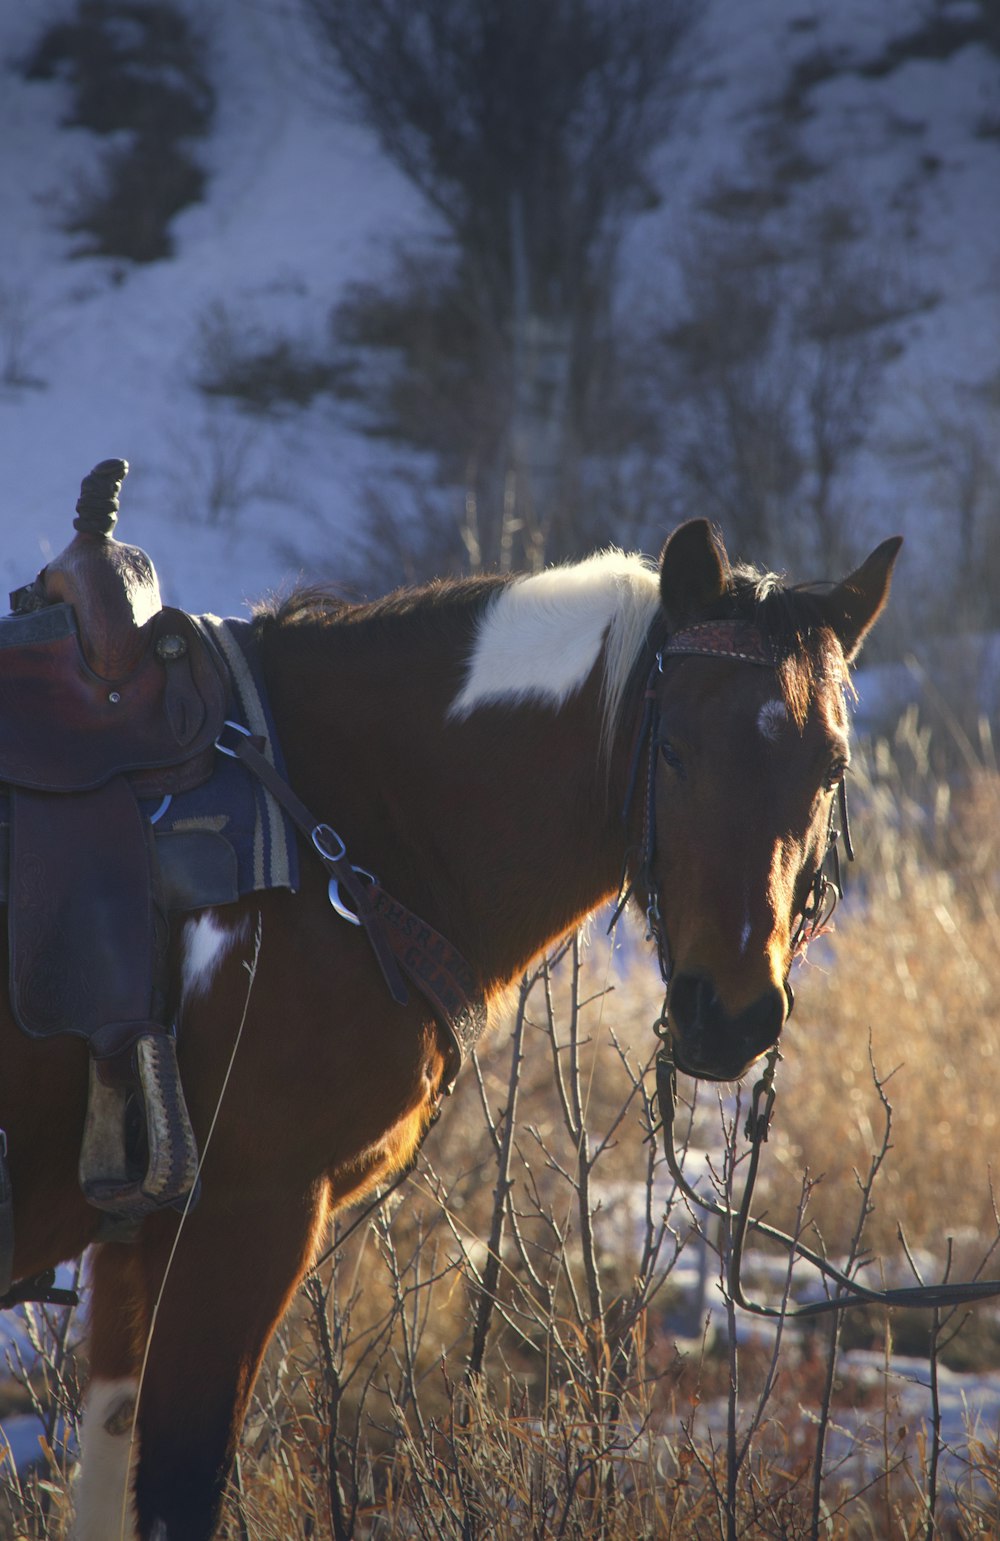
(503, 1147)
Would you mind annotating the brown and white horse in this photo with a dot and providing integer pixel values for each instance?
(473, 744)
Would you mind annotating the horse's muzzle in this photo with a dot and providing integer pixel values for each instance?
(711, 1044)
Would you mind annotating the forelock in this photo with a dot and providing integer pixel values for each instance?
(808, 656)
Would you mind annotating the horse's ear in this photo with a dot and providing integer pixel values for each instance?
(855, 605)
(694, 573)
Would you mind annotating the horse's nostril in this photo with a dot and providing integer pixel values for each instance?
(709, 1041)
(763, 1021)
(691, 1000)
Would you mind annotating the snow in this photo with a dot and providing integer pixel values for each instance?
(301, 203)
(23, 1432)
(969, 664)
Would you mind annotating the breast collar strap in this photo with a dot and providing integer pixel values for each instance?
(405, 947)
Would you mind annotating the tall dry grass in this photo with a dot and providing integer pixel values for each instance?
(914, 966)
(518, 1343)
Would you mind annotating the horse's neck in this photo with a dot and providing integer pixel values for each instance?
(544, 846)
(500, 829)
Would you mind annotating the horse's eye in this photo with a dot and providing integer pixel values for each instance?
(835, 775)
(670, 756)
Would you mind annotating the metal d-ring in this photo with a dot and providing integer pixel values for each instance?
(237, 727)
(333, 894)
(333, 849)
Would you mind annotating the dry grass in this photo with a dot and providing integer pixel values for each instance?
(914, 966)
(497, 1353)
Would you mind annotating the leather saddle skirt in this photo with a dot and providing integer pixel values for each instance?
(64, 728)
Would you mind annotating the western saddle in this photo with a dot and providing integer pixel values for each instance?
(107, 699)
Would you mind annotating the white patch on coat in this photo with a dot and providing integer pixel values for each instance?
(104, 1470)
(770, 720)
(540, 637)
(205, 945)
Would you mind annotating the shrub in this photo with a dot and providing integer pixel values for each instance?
(128, 211)
(261, 371)
(136, 70)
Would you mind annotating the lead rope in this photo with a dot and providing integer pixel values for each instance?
(740, 1221)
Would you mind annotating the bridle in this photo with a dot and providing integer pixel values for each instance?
(743, 642)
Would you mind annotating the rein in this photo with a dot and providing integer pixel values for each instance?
(923, 1296)
(741, 641)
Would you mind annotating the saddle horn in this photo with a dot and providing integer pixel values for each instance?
(97, 505)
(112, 587)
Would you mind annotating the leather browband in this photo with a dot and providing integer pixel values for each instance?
(721, 639)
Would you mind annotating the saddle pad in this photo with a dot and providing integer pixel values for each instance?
(233, 804)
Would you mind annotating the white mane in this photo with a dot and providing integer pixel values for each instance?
(540, 637)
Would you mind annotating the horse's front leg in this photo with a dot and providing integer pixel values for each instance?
(118, 1326)
(232, 1276)
(224, 1292)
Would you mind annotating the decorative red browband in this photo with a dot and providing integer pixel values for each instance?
(721, 639)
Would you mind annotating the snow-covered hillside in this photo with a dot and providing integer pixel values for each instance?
(300, 202)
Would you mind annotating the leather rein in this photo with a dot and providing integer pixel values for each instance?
(742, 642)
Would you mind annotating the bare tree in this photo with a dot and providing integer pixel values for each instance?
(528, 129)
(770, 379)
(954, 439)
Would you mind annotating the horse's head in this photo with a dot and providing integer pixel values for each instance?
(748, 745)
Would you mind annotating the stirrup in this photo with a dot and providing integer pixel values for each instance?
(108, 1176)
